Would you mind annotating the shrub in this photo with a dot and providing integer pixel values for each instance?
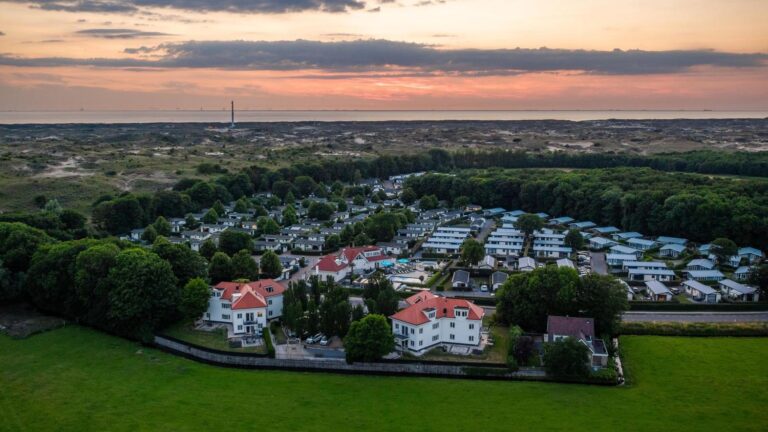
(566, 358)
(268, 343)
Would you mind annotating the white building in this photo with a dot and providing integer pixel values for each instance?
(446, 240)
(737, 291)
(245, 306)
(359, 260)
(505, 242)
(430, 320)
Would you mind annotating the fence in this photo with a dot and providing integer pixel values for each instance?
(240, 360)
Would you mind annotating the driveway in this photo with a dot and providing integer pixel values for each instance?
(599, 265)
(487, 227)
(306, 270)
(694, 316)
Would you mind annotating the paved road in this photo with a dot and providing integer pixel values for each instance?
(599, 265)
(487, 227)
(303, 271)
(695, 316)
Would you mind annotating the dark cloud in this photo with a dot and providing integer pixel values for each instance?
(381, 55)
(237, 6)
(110, 33)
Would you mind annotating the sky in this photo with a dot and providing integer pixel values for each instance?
(384, 54)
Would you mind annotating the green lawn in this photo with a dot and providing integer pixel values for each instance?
(78, 379)
(215, 339)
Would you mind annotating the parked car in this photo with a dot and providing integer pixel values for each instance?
(325, 341)
(315, 339)
(484, 288)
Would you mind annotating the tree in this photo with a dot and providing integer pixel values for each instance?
(408, 196)
(522, 349)
(162, 226)
(362, 239)
(289, 198)
(53, 206)
(91, 284)
(185, 263)
(241, 205)
(231, 242)
(211, 217)
(528, 223)
(472, 251)
(566, 358)
(289, 216)
(603, 298)
(759, 278)
(294, 302)
(281, 188)
(574, 239)
(369, 339)
(380, 296)
(219, 208)
(208, 249)
(305, 185)
(190, 222)
(335, 311)
(461, 202)
(333, 242)
(428, 202)
(268, 226)
(149, 235)
(358, 200)
(220, 268)
(243, 266)
(270, 265)
(143, 294)
(320, 211)
(358, 312)
(193, 301)
(723, 249)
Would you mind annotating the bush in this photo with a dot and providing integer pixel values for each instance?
(566, 358)
(268, 343)
(512, 363)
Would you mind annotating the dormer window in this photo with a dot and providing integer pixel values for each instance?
(269, 289)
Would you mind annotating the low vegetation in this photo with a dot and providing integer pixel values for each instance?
(695, 328)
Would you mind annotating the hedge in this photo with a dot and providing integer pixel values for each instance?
(693, 307)
(694, 328)
(268, 342)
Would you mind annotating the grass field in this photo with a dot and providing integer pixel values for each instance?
(78, 379)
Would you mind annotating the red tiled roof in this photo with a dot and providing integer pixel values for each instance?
(351, 253)
(328, 263)
(444, 307)
(571, 326)
(253, 294)
(419, 297)
(262, 287)
(249, 300)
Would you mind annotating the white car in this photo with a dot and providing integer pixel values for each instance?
(484, 288)
(325, 341)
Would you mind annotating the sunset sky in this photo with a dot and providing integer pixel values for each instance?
(384, 54)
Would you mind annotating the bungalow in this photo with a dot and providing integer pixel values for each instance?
(617, 260)
(432, 320)
(392, 248)
(606, 230)
(751, 254)
(659, 274)
(504, 242)
(137, 234)
(705, 275)
(705, 249)
(245, 306)
(488, 263)
(493, 212)
(547, 251)
(700, 292)
(624, 250)
(307, 245)
(196, 235)
(542, 215)
(563, 220)
(565, 263)
(742, 273)
(658, 291)
(177, 224)
(641, 244)
(460, 279)
(290, 264)
(700, 264)
(600, 243)
(582, 225)
(737, 291)
(624, 236)
(348, 260)
(581, 329)
(671, 240)
(649, 265)
(526, 264)
(497, 279)
(672, 250)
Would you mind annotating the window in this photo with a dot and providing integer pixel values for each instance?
(471, 338)
(413, 331)
(435, 337)
(397, 326)
(269, 313)
(239, 316)
(435, 325)
(269, 301)
(453, 325)
(412, 343)
(239, 327)
(207, 315)
(451, 337)
(421, 343)
(226, 306)
(225, 316)
(421, 331)
(471, 326)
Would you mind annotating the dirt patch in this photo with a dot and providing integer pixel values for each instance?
(20, 321)
(67, 168)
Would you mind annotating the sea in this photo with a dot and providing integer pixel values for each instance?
(248, 116)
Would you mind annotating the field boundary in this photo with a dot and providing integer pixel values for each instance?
(390, 368)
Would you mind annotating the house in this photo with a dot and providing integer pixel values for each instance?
(658, 291)
(671, 250)
(563, 220)
(700, 292)
(705, 275)
(565, 263)
(581, 329)
(460, 279)
(431, 321)
(751, 254)
(671, 240)
(392, 248)
(136, 234)
(625, 236)
(606, 230)
(177, 224)
(737, 291)
(742, 273)
(497, 279)
(641, 244)
(505, 242)
(582, 225)
(648, 265)
(646, 274)
(617, 260)
(488, 263)
(195, 235)
(624, 250)
(245, 306)
(348, 260)
(290, 264)
(547, 251)
(600, 243)
(446, 240)
(308, 245)
(493, 212)
(700, 264)
(526, 264)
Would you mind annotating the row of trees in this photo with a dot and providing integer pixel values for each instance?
(637, 199)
